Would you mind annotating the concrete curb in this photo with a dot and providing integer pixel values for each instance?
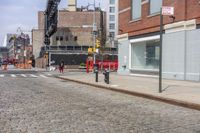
(138, 94)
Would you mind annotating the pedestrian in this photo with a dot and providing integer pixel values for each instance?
(61, 66)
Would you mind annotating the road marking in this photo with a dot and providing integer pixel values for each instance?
(34, 76)
(49, 74)
(2, 76)
(43, 76)
(14, 76)
(23, 75)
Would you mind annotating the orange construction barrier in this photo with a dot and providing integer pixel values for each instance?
(105, 64)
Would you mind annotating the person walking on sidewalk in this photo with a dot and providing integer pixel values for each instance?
(61, 66)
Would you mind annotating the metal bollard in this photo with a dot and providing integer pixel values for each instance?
(106, 76)
(96, 73)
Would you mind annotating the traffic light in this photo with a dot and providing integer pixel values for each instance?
(94, 50)
(98, 43)
(90, 51)
(46, 55)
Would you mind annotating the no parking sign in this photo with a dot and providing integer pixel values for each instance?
(167, 10)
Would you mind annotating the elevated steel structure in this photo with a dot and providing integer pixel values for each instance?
(51, 15)
(51, 20)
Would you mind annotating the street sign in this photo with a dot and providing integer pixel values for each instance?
(167, 10)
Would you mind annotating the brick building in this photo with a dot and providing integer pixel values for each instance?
(139, 29)
(74, 34)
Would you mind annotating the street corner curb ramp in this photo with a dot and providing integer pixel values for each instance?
(138, 94)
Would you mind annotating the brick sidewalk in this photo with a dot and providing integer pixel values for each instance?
(183, 93)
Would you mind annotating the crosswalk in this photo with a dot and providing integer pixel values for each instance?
(1, 76)
(24, 75)
(13, 75)
(34, 76)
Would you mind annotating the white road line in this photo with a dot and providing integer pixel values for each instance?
(23, 75)
(34, 76)
(1, 76)
(13, 75)
(49, 74)
(43, 76)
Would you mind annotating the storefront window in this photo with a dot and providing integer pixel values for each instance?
(145, 55)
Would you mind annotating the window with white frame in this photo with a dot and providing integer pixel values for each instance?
(112, 26)
(112, 9)
(155, 6)
(136, 9)
(112, 34)
(112, 17)
(112, 1)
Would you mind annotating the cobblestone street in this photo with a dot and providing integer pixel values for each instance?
(41, 105)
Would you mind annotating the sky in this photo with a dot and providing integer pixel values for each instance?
(23, 14)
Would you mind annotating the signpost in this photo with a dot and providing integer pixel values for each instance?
(166, 11)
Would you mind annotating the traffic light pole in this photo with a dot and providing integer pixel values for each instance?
(94, 52)
(94, 34)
